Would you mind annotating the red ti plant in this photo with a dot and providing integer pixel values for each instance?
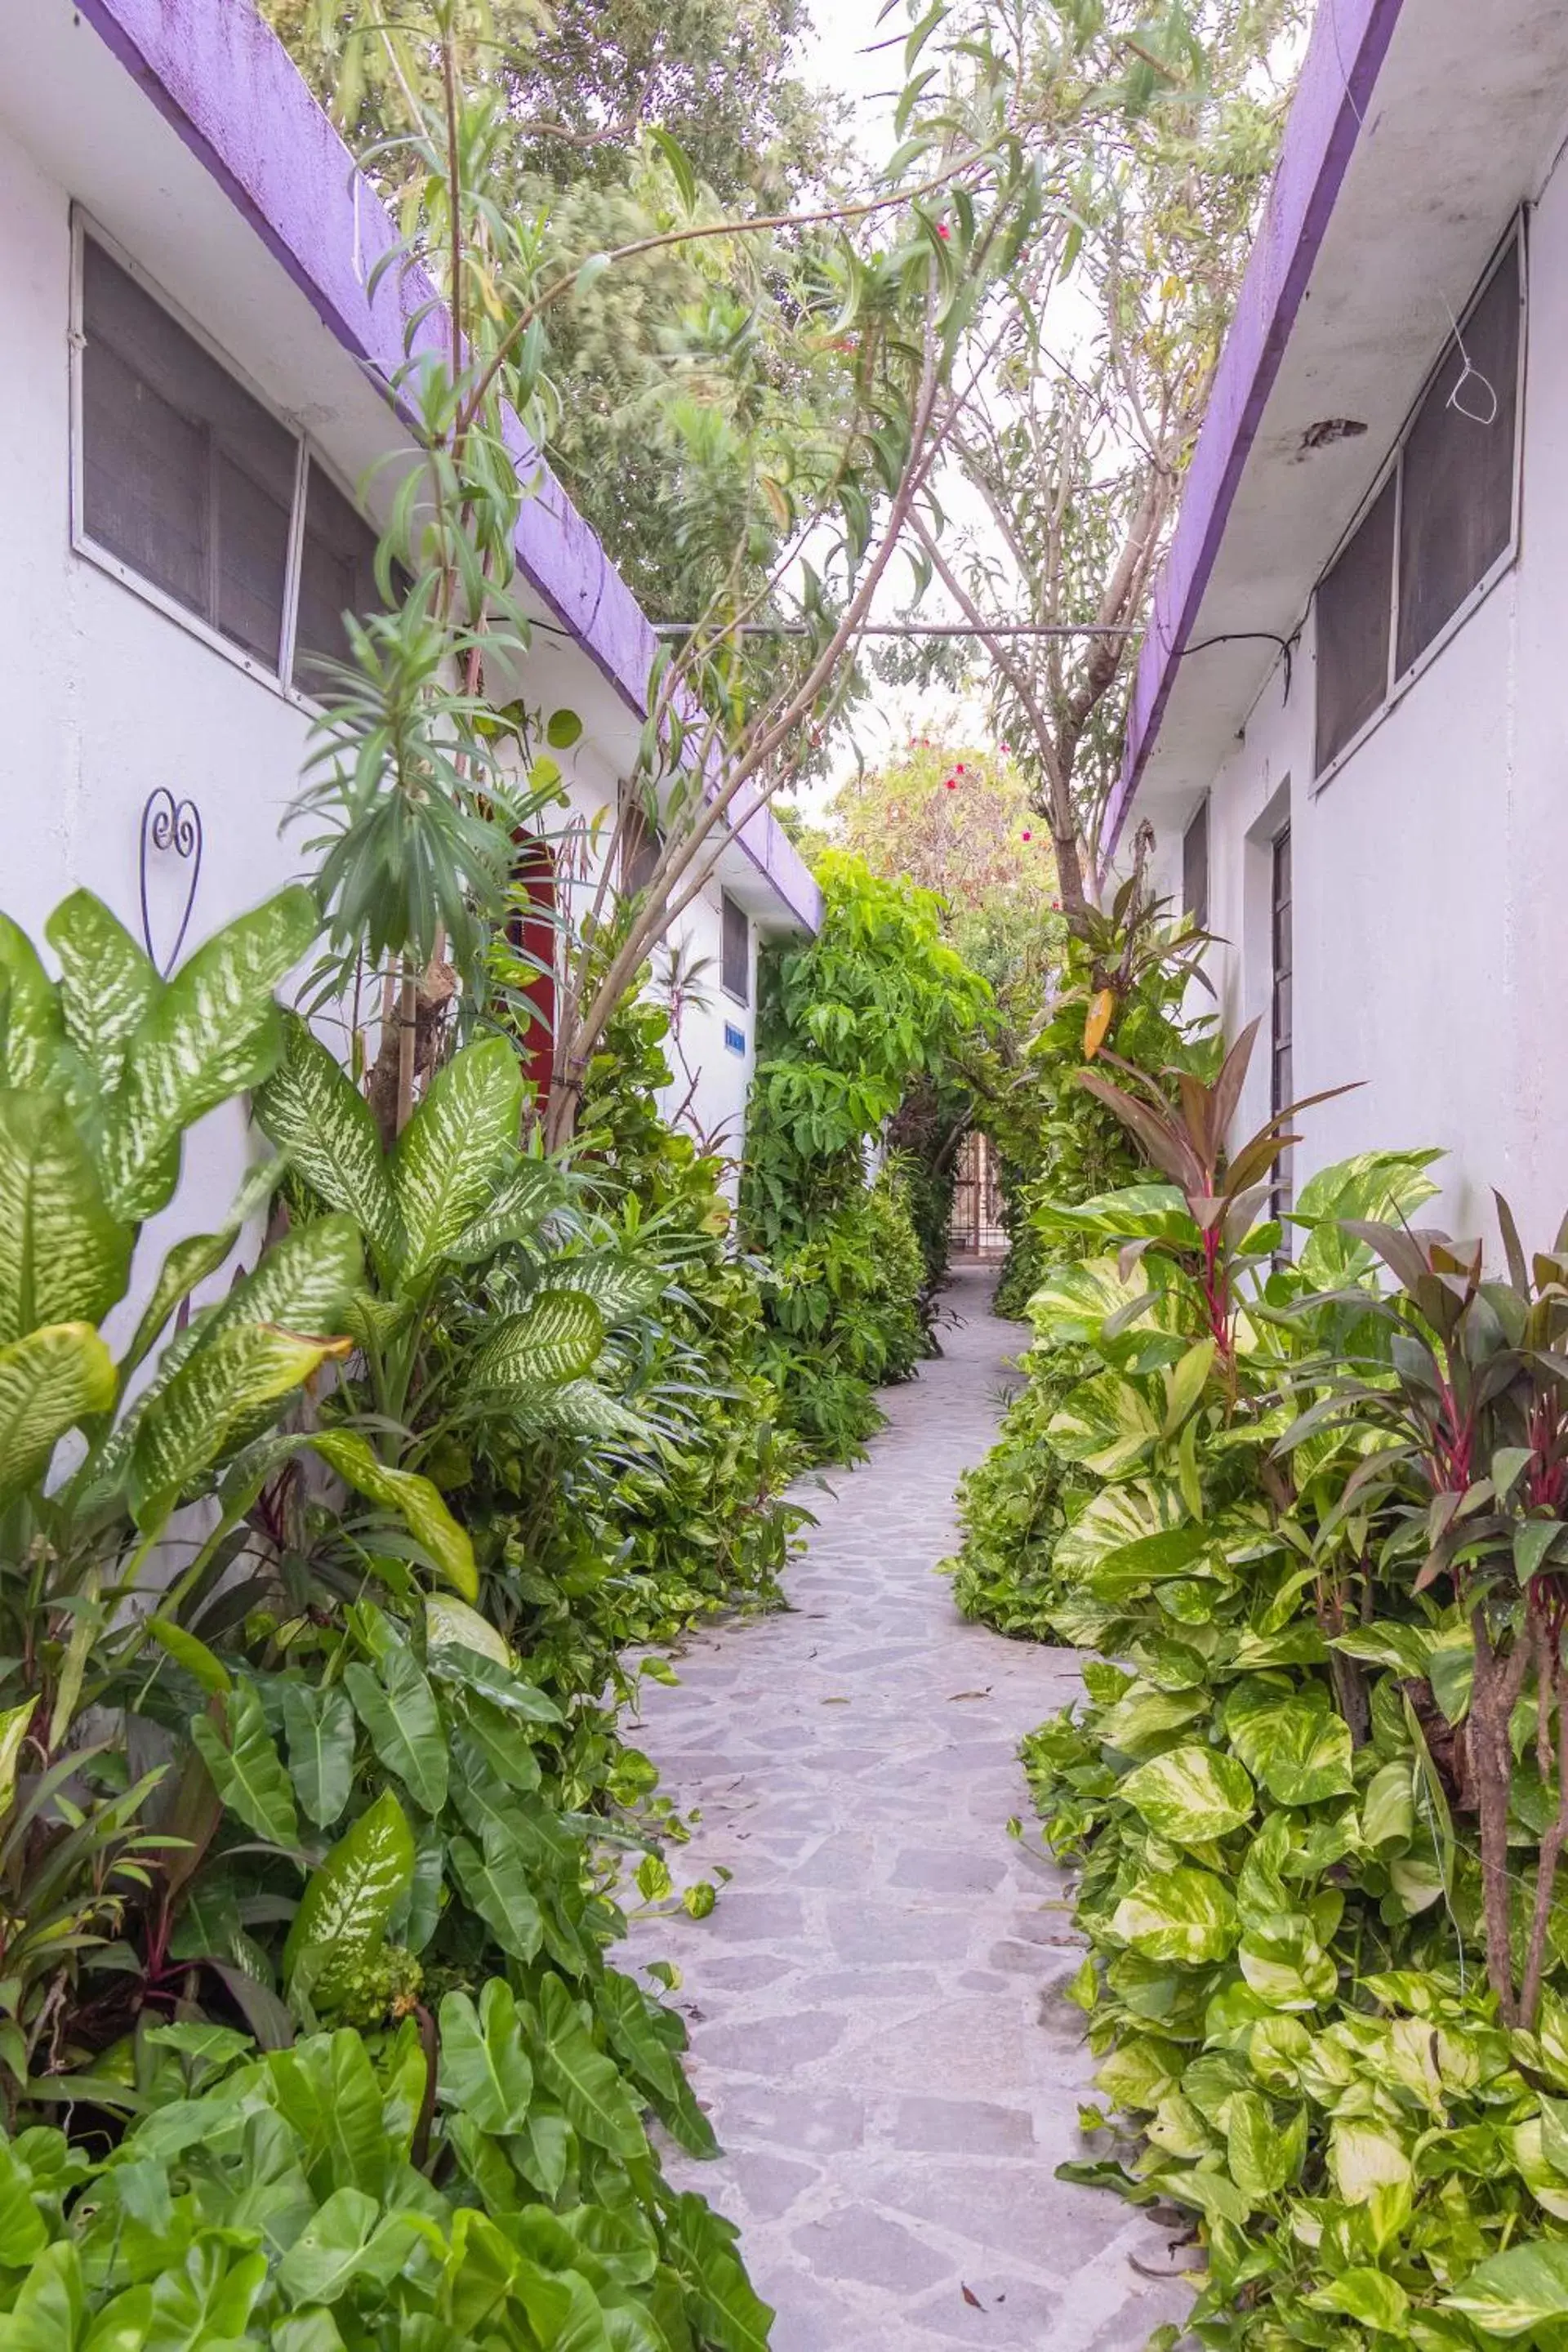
(1480, 1408)
(1224, 1189)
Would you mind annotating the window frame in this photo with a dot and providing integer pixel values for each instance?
(1198, 914)
(1400, 681)
(736, 996)
(84, 225)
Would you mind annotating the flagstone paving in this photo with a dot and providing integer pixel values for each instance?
(878, 2021)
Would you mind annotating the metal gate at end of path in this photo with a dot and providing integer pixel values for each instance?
(976, 1230)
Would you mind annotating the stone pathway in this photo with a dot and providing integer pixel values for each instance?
(876, 2012)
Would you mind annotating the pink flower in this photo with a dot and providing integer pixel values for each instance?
(950, 782)
(1006, 749)
(943, 231)
(959, 769)
(1027, 834)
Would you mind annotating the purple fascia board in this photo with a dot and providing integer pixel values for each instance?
(220, 75)
(1350, 40)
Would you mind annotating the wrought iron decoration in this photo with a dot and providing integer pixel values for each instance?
(169, 824)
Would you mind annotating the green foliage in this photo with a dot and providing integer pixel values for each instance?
(1272, 1793)
(373, 1708)
(492, 2188)
(848, 1023)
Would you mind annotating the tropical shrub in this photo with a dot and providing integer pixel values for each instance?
(297, 1767)
(1316, 1551)
(329, 2195)
(1121, 984)
(846, 1023)
(1122, 987)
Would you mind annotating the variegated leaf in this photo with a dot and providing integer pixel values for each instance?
(49, 1380)
(575, 1409)
(304, 1282)
(191, 1260)
(513, 1212)
(63, 1258)
(107, 987)
(558, 1337)
(416, 1501)
(450, 1153)
(238, 1751)
(31, 1028)
(212, 1033)
(190, 1424)
(619, 1287)
(314, 1112)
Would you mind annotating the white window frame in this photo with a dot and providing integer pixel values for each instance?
(306, 454)
(1399, 682)
(727, 898)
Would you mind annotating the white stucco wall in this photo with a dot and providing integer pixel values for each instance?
(1429, 869)
(107, 698)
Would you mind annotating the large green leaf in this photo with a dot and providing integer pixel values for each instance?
(1370, 2295)
(32, 1031)
(49, 1381)
(212, 1032)
(348, 2241)
(512, 1214)
(1145, 1718)
(247, 1770)
(416, 1501)
(497, 1883)
(485, 2067)
(450, 1153)
(211, 1402)
(587, 2083)
(1286, 1965)
(578, 1409)
(1116, 1516)
(620, 1287)
(1191, 1793)
(107, 986)
(313, 1111)
(558, 1337)
(63, 1258)
(1510, 2294)
(398, 1709)
(1182, 1915)
(319, 1724)
(1106, 1423)
(1073, 1303)
(1262, 2158)
(1382, 1187)
(727, 2312)
(1297, 1745)
(342, 1915)
(303, 1283)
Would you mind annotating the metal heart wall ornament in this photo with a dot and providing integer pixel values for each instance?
(174, 828)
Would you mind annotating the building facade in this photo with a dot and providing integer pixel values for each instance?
(1349, 732)
(200, 440)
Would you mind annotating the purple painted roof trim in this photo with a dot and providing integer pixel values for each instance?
(222, 78)
(1350, 40)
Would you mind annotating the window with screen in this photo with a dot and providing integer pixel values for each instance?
(736, 960)
(1441, 525)
(186, 478)
(1354, 616)
(189, 485)
(1196, 868)
(1457, 497)
(337, 575)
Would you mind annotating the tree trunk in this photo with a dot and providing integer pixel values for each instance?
(1491, 1704)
